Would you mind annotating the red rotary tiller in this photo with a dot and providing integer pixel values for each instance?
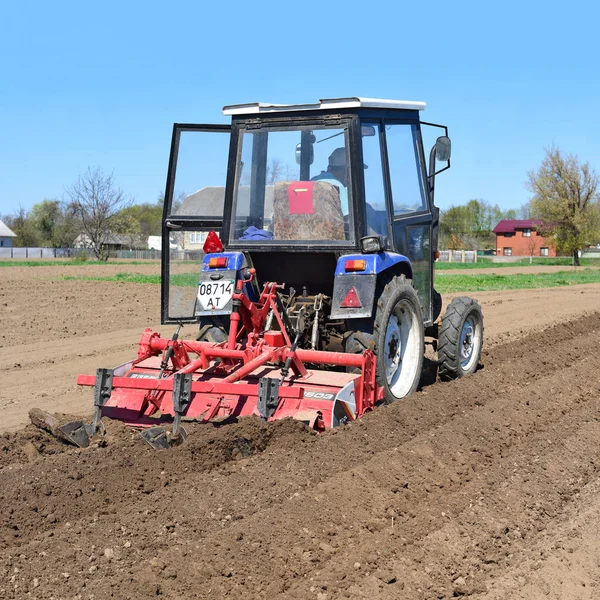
(248, 374)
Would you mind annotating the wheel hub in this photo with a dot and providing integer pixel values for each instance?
(466, 342)
(392, 343)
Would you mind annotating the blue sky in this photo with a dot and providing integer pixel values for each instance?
(101, 84)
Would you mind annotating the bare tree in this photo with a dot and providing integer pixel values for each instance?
(533, 243)
(566, 199)
(97, 201)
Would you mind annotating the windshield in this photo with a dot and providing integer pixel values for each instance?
(292, 186)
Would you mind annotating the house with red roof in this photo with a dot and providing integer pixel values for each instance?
(522, 238)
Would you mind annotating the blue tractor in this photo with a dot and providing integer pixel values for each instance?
(335, 202)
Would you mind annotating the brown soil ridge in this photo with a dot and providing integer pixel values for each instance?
(437, 496)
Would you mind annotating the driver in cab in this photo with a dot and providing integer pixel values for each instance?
(337, 174)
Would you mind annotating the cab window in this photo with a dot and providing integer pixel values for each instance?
(408, 195)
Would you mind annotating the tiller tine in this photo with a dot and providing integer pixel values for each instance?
(80, 433)
(159, 437)
(162, 439)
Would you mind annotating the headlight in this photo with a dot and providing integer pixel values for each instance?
(372, 244)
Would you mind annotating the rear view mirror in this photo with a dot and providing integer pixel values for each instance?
(443, 148)
(367, 130)
(308, 139)
(311, 154)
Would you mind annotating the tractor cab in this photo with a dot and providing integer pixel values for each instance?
(296, 187)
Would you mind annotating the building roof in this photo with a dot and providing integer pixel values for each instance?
(510, 226)
(5, 231)
(254, 108)
(208, 202)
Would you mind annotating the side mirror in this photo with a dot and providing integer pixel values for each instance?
(443, 148)
(310, 151)
(367, 130)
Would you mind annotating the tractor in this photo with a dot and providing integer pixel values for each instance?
(317, 233)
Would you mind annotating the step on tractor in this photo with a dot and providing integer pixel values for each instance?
(316, 230)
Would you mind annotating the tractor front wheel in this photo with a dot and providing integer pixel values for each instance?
(213, 329)
(461, 338)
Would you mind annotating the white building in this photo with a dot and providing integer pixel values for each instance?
(6, 236)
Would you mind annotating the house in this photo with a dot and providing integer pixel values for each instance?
(6, 236)
(155, 243)
(522, 238)
(112, 242)
(208, 202)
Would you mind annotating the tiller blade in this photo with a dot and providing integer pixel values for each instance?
(158, 437)
(82, 434)
(162, 439)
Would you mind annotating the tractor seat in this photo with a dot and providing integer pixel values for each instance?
(307, 210)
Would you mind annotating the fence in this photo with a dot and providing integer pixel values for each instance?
(50, 253)
(32, 253)
(458, 256)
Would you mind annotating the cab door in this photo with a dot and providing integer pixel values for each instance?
(410, 206)
(194, 203)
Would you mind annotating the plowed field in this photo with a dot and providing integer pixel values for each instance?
(486, 488)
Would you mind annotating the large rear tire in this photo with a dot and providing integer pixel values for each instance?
(461, 339)
(212, 329)
(396, 336)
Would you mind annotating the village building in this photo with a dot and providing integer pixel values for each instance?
(522, 238)
(6, 236)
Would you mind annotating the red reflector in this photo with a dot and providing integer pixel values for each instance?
(218, 263)
(351, 300)
(212, 243)
(355, 265)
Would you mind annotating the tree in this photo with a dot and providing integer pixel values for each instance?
(565, 197)
(97, 202)
(22, 225)
(533, 243)
(471, 223)
(55, 222)
(140, 221)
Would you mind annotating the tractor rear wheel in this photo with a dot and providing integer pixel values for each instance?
(212, 329)
(461, 337)
(396, 336)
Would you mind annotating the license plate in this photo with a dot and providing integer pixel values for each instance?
(214, 295)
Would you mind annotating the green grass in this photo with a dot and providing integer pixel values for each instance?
(479, 283)
(51, 262)
(486, 263)
(181, 279)
(444, 283)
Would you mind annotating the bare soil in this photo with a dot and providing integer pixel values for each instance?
(486, 488)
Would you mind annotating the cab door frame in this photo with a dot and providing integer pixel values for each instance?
(182, 223)
(400, 224)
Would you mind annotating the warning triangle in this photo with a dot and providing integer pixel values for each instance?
(351, 300)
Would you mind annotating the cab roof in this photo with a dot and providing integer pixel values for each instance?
(255, 108)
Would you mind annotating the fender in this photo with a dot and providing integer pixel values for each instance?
(359, 303)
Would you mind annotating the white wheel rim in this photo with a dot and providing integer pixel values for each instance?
(468, 345)
(401, 349)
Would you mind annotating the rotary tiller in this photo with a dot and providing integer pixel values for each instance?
(253, 372)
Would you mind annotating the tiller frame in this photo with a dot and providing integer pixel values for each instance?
(243, 375)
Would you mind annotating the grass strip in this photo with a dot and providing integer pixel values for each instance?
(51, 262)
(481, 283)
(179, 279)
(444, 283)
(486, 263)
